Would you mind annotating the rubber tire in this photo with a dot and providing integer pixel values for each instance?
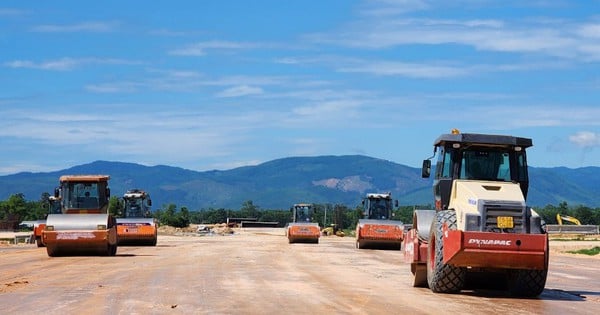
(528, 283)
(112, 250)
(38, 242)
(442, 278)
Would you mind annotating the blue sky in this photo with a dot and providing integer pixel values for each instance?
(220, 84)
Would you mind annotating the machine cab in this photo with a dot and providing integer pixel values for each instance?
(83, 194)
(302, 212)
(54, 205)
(378, 206)
(477, 157)
(137, 204)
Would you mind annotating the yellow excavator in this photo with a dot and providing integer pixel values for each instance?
(560, 218)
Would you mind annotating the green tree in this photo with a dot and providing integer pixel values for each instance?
(115, 207)
(169, 215)
(584, 214)
(14, 208)
(280, 216)
(249, 210)
(216, 216)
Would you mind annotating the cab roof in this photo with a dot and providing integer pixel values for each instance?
(485, 139)
(303, 205)
(84, 178)
(380, 195)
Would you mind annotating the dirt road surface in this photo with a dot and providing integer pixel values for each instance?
(255, 271)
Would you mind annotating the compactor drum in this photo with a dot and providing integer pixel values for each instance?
(481, 230)
(302, 229)
(377, 229)
(84, 226)
(137, 227)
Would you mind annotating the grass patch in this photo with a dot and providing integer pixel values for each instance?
(587, 251)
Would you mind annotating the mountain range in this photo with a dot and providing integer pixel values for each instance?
(278, 184)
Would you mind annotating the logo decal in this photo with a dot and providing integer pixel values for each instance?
(490, 242)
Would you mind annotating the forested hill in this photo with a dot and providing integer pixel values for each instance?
(279, 183)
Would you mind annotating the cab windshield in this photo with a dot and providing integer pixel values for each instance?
(302, 214)
(81, 196)
(379, 209)
(485, 165)
(134, 208)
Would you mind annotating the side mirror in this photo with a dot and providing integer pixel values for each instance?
(396, 203)
(149, 202)
(56, 192)
(107, 192)
(426, 170)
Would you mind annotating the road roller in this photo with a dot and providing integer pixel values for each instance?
(84, 226)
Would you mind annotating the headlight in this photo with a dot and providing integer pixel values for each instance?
(473, 222)
(49, 227)
(101, 226)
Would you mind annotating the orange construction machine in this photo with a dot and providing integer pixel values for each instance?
(481, 227)
(40, 225)
(84, 225)
(377, 229)
(137, 227)
(302, 229)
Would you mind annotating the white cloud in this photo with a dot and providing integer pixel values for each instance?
(407, 69)
(326, 110)
(241, 90)
(190, 81)
(564, 39)
(233, 164)
(591, 30)
(115, 87)
(586, 139)
(56, 65)
(81, 27)
(200, 49)
(65, 64)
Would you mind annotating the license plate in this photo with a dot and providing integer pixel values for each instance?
(506, 222)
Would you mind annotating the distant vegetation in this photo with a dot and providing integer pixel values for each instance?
(17, 208)
(591, 251)
(277, 184)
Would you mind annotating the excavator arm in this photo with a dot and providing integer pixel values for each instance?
(560, 218)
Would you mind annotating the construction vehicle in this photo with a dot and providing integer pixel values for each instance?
(481, 227)
(84, 225)
(561, 217)
(377, 229)
(333, 229)
(137, 226)
(40, 225)
(302, 229)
